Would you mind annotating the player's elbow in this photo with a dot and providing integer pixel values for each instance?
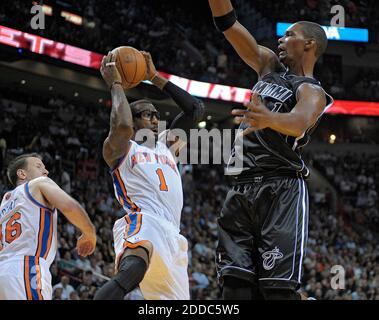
(310, 121)
(301, 127)
(298, 132)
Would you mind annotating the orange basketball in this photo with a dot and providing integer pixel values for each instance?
(131, 65)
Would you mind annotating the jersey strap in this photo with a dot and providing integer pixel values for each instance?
(28, 194)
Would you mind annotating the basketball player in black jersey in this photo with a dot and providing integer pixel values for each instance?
(263, 226)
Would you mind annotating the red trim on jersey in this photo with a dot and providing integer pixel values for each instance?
(27, 279)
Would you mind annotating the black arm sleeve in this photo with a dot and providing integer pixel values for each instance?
(192, 108)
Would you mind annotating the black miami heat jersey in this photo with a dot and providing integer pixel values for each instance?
(268, 150)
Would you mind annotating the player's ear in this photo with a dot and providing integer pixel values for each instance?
(21, 174)
(310, 44)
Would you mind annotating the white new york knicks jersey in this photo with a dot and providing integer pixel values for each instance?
(148, 181)
(28, 244)
(27, 228)
(148, 185)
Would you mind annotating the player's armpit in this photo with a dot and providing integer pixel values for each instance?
(116, 145)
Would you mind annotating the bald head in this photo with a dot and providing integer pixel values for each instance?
(140, 105)
(316, 32)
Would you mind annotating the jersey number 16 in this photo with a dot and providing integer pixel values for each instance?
(12, 230)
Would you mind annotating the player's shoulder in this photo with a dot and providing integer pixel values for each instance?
(309, 87)
(304, 84)
(35, 190)
(300, 79)
(40, 181)
(306, 89)
(6, 197)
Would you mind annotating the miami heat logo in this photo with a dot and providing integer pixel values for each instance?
(269, 258)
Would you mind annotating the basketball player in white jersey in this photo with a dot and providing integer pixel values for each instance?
(151, 253)
(28, 230)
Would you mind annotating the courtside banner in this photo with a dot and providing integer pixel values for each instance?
(333, 33)
(57, 50)
(89, 59)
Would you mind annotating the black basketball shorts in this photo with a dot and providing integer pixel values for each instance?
(263, 231)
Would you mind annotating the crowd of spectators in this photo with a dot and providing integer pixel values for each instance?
(184, 34)
(355, 177)
(69, 138)
(366, 85)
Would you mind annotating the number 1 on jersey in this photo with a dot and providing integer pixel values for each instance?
(162, 180)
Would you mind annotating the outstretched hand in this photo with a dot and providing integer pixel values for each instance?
(257, 116)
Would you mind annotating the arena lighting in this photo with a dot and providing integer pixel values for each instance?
(202, 124)
(48, 10)
(73, 18)
(89, 59)
(333, 33)
(332, 138)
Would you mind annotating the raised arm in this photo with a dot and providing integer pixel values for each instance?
(192, 108)
(70, 208)
(259, 58)
(121, 120)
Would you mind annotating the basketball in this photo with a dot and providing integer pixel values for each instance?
(131, 65)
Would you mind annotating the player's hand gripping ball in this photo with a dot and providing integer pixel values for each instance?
(131, 65)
